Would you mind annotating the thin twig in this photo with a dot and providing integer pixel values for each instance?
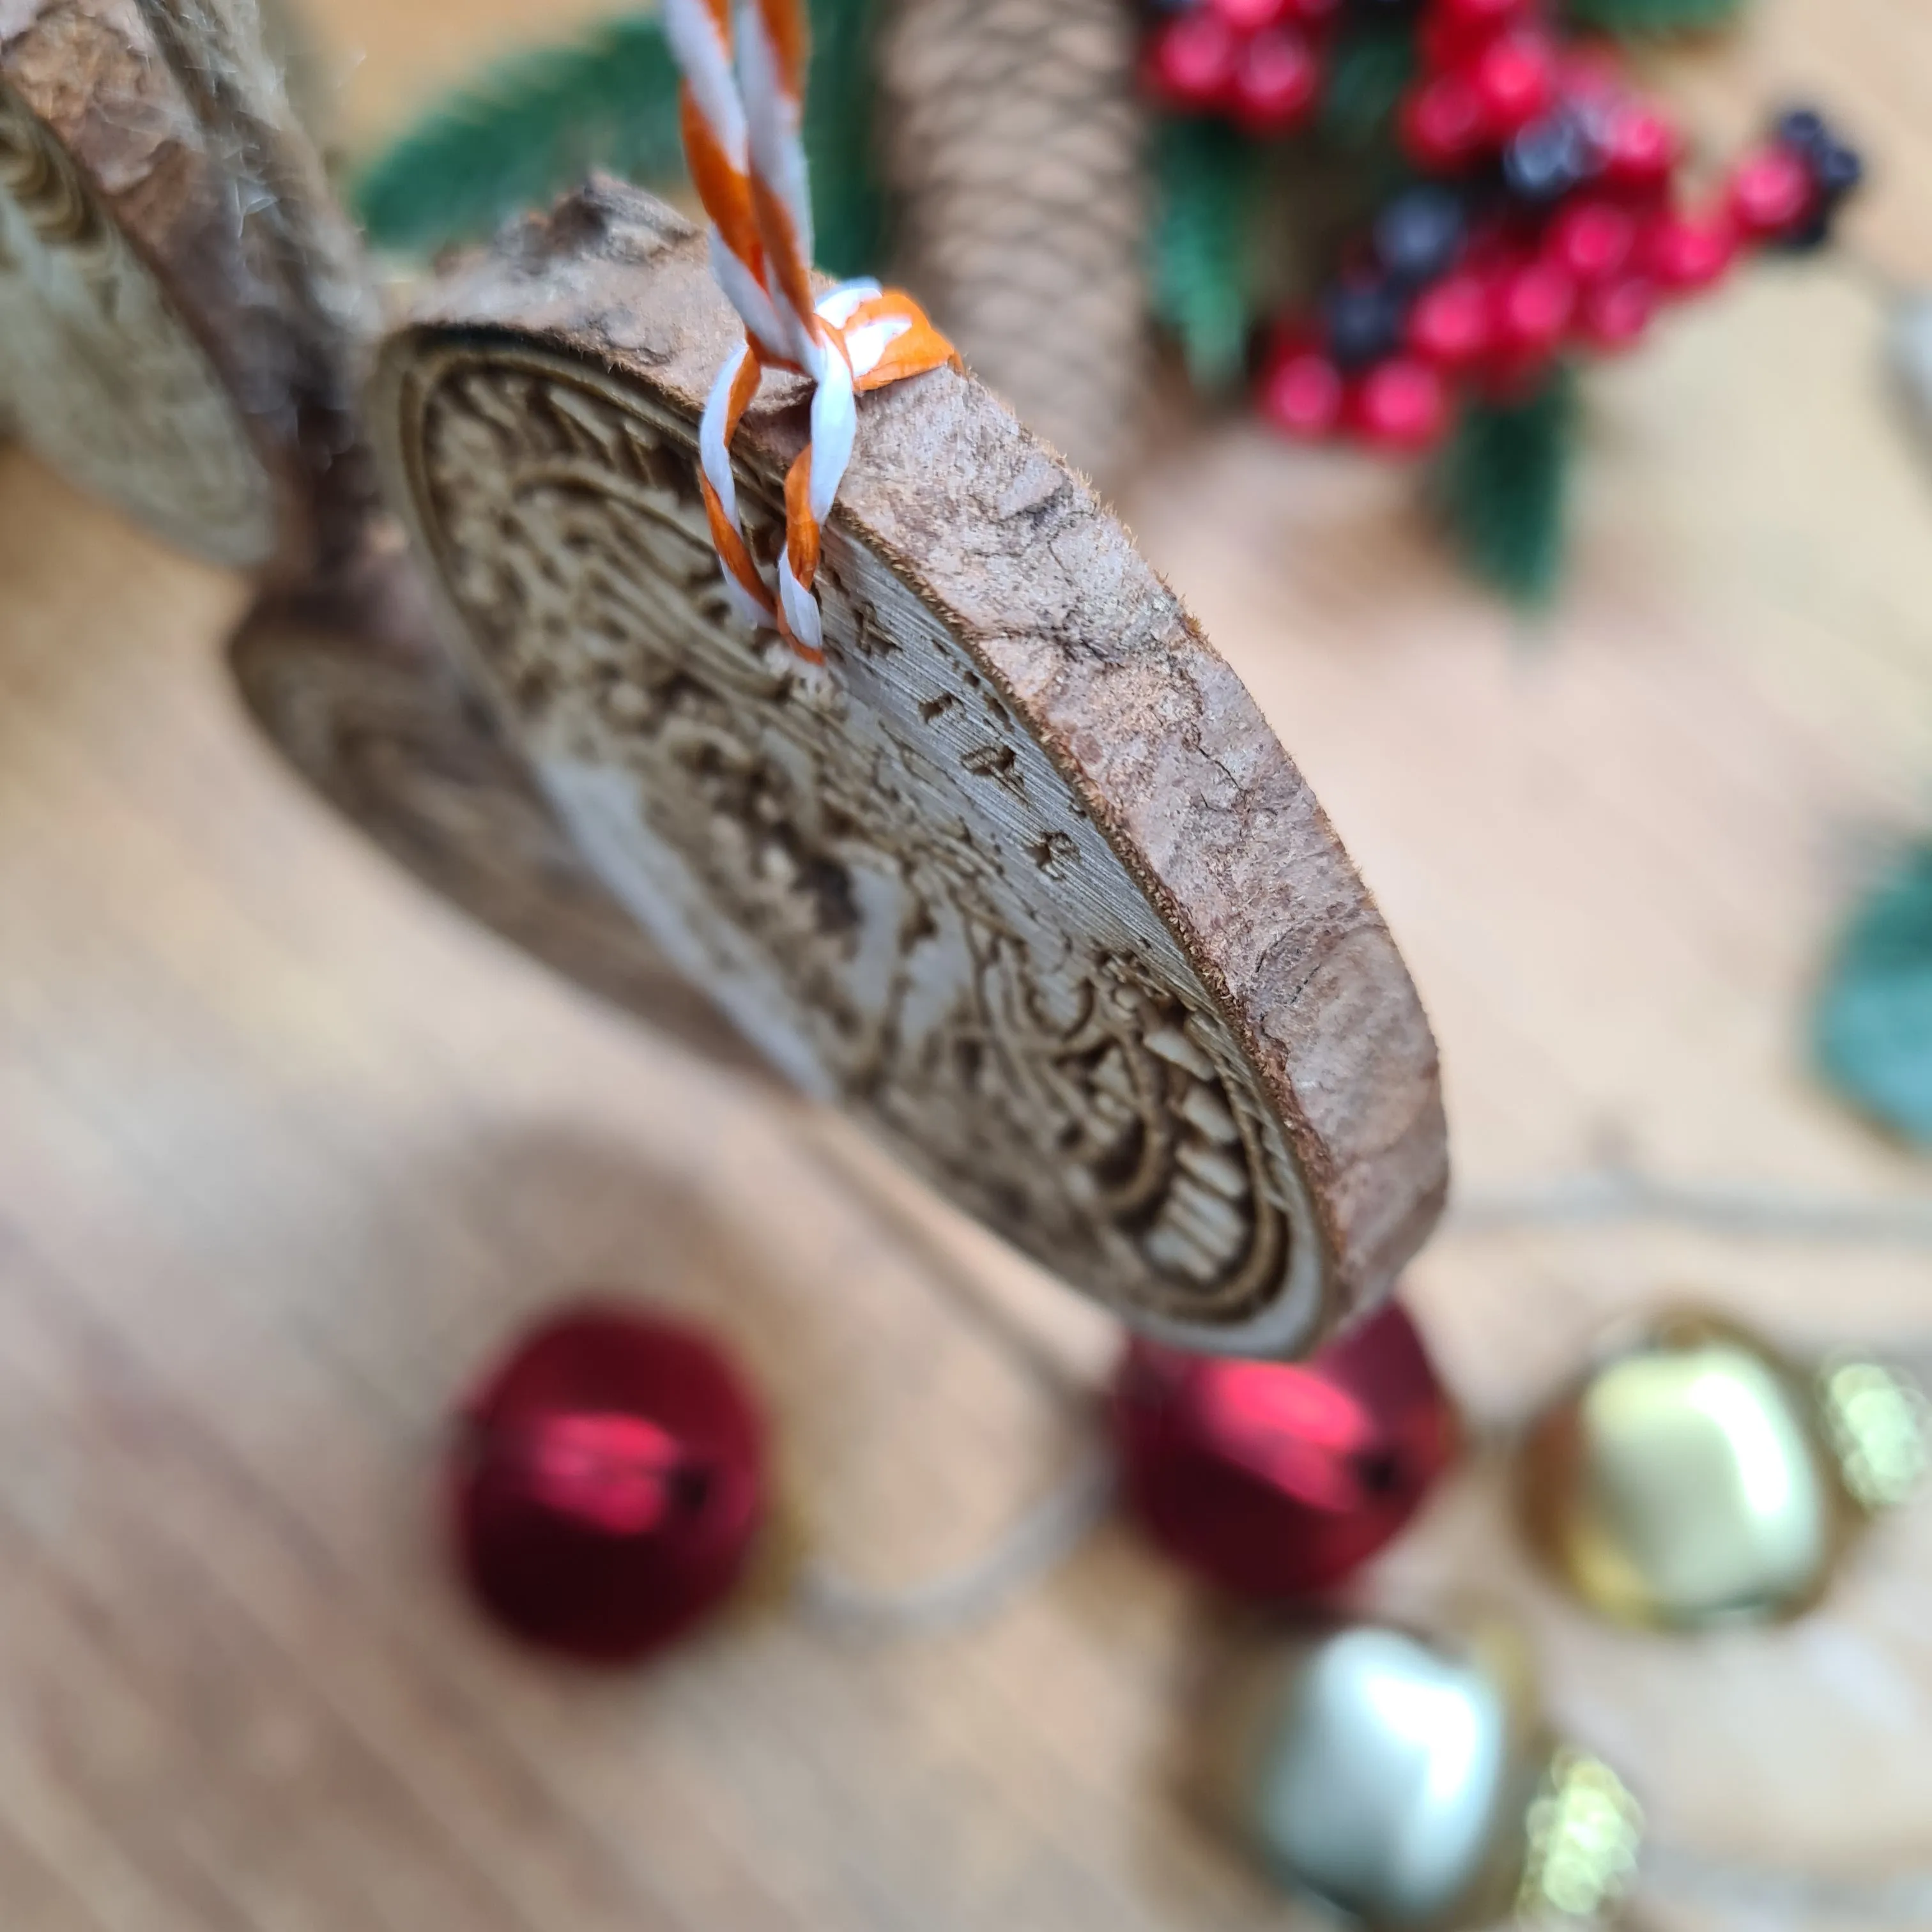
(936, 1264)
(1615, 1196)
(1899, 1898)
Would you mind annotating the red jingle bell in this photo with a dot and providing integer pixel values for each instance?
(607, 1480)
(1273, 1480)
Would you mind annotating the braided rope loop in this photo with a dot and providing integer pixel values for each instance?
(742, 109)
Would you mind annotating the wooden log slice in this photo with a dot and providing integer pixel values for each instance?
(180, 303)
(1026, 884)
(351, 686)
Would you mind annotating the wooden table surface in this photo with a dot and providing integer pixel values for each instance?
(286, 1148)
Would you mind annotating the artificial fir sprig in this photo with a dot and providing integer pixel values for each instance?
(1201, 248)
(531, 127)
(1501, 487)
(1872, 1025)
(1371, 68)
(538, 122)
(1651, 19)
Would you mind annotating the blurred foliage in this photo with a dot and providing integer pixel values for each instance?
(1639, 19)
(1202, 245)
(534, 124)
(1368, 67)
(1502, 488)
(1872, 1026)
(537, 123)
(848, 199)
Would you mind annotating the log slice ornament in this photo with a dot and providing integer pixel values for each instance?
(1025, 883)
(181, 305)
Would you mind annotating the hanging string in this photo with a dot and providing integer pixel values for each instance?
(1029, 1549)
(744, 68)
(1619, 1194)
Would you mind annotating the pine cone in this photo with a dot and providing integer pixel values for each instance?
(1015, 148)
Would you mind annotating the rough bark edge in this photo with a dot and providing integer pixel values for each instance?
(180, 125)
(1157, 736)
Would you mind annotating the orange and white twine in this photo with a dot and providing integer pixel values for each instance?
(744, 67)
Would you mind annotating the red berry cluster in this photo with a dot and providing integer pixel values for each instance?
(1549, 220)
(1257, 63)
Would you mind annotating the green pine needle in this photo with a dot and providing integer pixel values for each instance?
(533, 126)
(1646, 19)
(538, 123)
(1501, 487)
(1202, 243)
(1369, 70)
(1872, 1026)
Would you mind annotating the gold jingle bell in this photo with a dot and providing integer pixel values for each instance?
(1406, 1782)
(1694, 1477)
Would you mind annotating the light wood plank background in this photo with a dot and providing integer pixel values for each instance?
(286, 1148)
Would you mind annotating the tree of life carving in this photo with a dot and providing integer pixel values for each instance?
(884, 879)
(100, 373)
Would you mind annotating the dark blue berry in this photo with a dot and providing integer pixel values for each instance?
(1811, 234)
(1836, 169)
(1548, 158)
(1362, 323)
(1803, 128)
(1419, 235)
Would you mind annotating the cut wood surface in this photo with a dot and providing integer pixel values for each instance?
(181, 309)
(287, 1146)
(1025, 884)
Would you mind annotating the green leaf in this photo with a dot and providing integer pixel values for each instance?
(531, 127)
(1367, 71)
(1872, 1025)
(538, 123)
(1201, 244)
(1645, 20)
(1501, 487)
(848, 205)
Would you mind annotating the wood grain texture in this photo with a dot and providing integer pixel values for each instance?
(185, 305)
(287, 1146)
(1027, 884)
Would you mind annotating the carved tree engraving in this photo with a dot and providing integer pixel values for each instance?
(1074, 997)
